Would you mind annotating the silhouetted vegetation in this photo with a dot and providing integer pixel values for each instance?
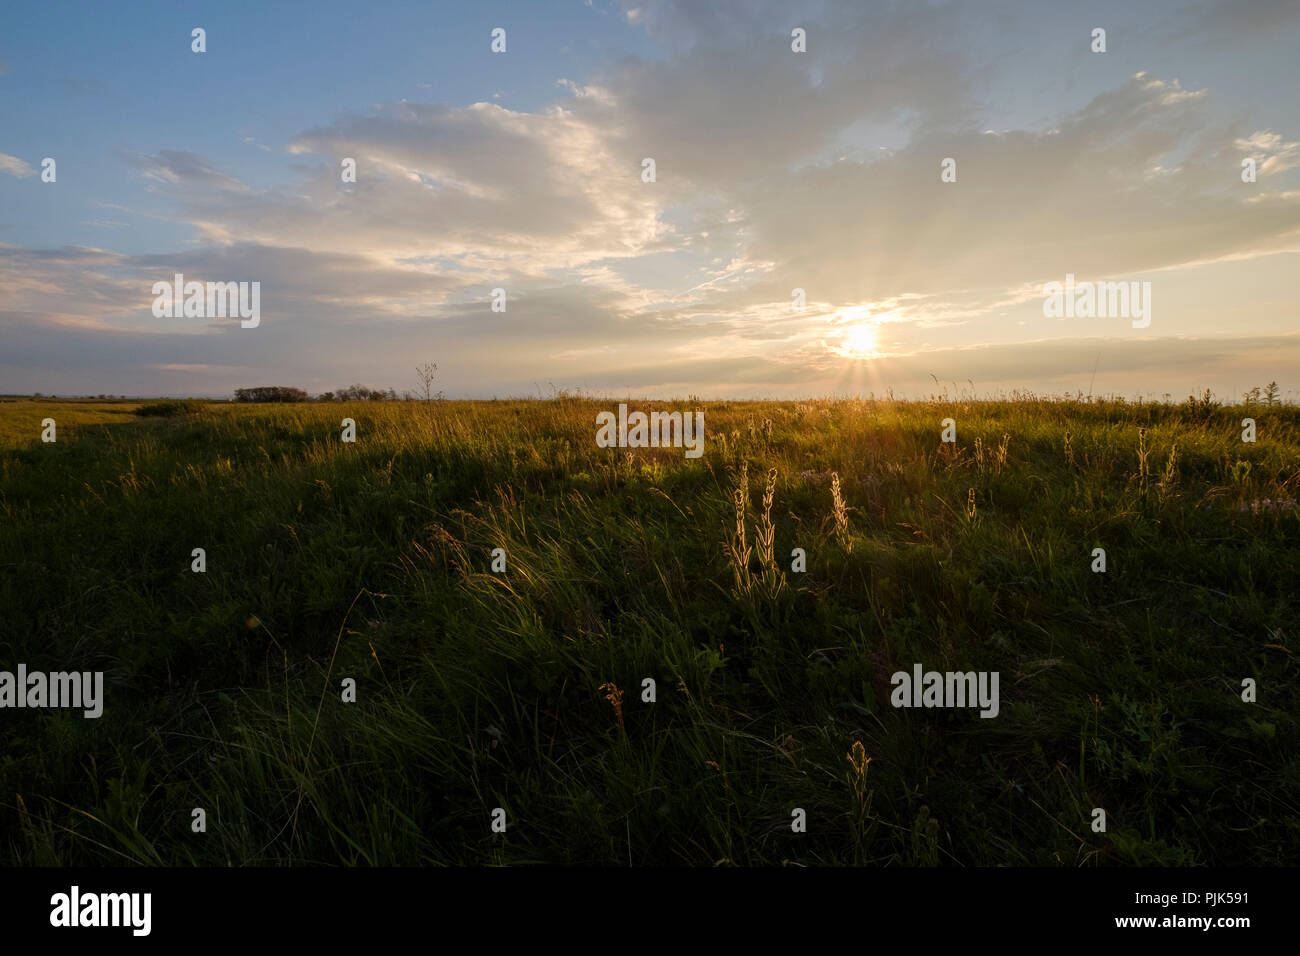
(172, 406)
(270, 393)
(363, 393)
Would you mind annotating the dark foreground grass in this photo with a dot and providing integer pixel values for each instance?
(524, 690)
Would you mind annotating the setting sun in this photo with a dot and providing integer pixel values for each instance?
(859, 341)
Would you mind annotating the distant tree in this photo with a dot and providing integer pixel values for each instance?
(270, 393)
(326, 396)
(363, 393)
(427, 371)
(1271, 394)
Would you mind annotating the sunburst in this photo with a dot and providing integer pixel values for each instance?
(858, 341)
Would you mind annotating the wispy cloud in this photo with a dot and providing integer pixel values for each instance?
(15, 166)
(179, 168)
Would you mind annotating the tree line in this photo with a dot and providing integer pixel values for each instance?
(286, 393)
(352, 393)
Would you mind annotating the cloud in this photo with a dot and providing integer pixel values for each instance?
(480, 189)
(750, 170)
(560, 188)
(180, 168)
(300, 289)
(733, 104)
(15, 166)
(1097, 194)
(1273, 155)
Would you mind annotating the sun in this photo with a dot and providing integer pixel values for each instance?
(859, 341)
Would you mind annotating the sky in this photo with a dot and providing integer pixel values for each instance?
(775, 170)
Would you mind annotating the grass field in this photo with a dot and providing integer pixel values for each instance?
(522, 690)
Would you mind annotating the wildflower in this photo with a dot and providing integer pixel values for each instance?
(858, 760)
(615, 698)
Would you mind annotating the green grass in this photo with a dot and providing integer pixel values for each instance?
(172, 406)
(20, 420)
(478, 690)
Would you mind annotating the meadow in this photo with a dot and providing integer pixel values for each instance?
(524, 689)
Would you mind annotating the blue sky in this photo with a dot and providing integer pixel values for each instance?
(93, 83)
(775, 170)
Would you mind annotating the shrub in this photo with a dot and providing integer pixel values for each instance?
(270, 393)
(1200, 409)
(173, 406)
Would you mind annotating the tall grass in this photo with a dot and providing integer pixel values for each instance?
(524, 690)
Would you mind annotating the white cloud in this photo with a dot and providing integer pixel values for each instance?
(1274, 155)
(15, 166)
